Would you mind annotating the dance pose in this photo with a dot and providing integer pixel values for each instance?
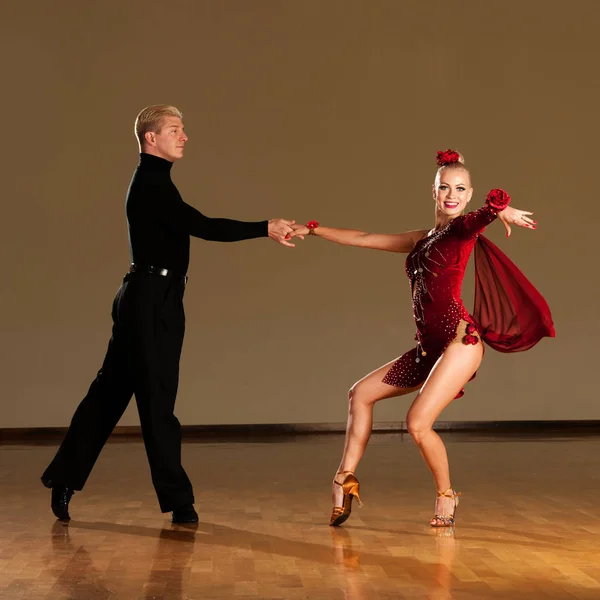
(149, 322)
(510, 315)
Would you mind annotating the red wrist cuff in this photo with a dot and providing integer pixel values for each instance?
(497, 199)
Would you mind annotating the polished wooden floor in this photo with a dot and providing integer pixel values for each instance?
(527, 525)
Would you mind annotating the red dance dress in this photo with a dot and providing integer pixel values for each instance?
(510, 315)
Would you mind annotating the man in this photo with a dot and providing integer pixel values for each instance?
(148, 324)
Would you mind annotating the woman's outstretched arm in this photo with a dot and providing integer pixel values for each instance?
(391, 242)
(496, 206)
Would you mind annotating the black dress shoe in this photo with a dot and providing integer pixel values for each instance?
(61, 496)
(185, 514)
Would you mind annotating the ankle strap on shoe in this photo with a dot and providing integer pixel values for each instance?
(445, 494)
(342, 473)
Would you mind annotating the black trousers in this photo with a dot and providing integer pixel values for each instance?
(142, 359)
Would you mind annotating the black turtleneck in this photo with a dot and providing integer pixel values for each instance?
(160, 222)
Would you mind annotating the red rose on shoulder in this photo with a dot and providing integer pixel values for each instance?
(498, 199)
(471, 328)
(470, 339)
(445, 157)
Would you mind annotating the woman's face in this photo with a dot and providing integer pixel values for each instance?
(452, 191)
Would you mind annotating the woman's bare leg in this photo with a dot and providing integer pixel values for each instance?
(449, 375)
(362, 398)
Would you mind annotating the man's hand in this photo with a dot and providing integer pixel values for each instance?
(280, 230)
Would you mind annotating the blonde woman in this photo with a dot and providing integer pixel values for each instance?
(449, 346)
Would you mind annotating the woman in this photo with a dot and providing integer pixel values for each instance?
(449, 340)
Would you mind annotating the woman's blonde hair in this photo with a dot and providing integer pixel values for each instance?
(151, 119)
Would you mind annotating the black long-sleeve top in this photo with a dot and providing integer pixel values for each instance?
(161, 223)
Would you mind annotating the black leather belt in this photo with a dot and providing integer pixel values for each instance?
(154, 270)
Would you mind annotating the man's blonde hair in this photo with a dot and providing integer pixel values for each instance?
(151, 119)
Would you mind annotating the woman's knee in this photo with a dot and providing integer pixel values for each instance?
(358, 397)
(418, 427)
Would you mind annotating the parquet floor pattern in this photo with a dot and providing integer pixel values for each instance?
(527, 526)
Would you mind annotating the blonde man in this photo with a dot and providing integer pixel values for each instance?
(149, 321)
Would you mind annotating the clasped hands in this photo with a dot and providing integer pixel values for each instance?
(282, 230)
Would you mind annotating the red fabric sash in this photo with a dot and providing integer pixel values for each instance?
(512, 314)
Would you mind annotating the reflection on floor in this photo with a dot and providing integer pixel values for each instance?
(527, 526)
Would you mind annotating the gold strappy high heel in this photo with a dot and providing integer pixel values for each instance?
(446, 520)
(351, 488)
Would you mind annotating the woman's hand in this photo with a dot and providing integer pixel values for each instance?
(513, 216)
(298, 231)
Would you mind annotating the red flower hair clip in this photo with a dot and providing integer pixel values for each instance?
(447, 157)
(498, 199)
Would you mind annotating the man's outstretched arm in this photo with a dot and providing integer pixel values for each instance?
(180, 216)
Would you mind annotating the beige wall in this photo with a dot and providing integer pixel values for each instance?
(304, 109)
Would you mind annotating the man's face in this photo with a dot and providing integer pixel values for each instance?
(168, 143)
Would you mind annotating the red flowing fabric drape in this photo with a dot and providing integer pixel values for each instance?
(512, 314)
